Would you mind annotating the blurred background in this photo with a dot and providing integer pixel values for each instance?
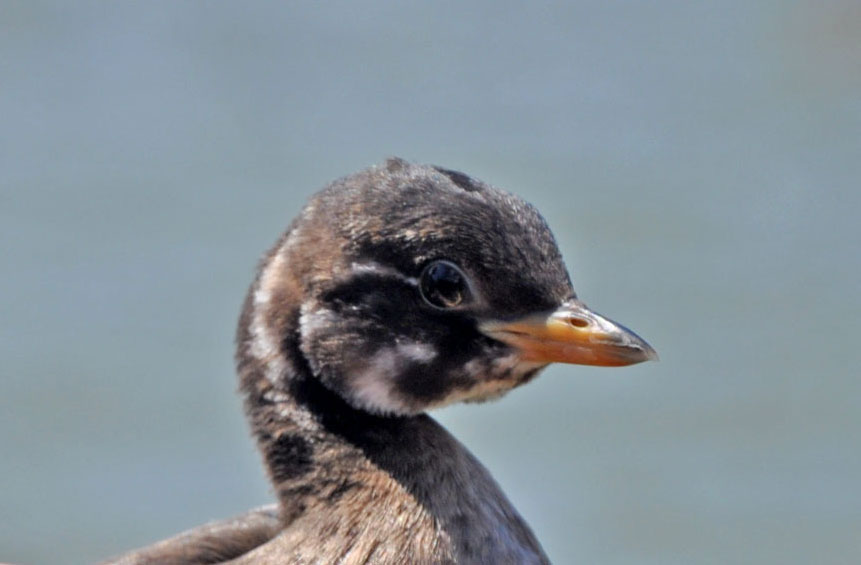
(698, 162)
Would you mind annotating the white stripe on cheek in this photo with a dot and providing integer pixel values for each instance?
(416, 352)
(372, 385)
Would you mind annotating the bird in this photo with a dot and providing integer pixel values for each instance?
(397, 289)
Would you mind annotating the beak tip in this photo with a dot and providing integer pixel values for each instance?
(651, 354)
(644, 351)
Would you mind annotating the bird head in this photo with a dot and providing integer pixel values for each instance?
(407, 287)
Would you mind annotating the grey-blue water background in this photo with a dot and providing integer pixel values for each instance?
(699, 163)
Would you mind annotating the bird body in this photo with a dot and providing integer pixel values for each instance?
(398, 289)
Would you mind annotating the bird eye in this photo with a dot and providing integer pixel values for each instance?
(443, 285)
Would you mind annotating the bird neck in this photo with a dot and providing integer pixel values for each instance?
(317, 448)
(312, 441)
(284, 404)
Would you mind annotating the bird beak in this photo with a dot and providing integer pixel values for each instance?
(572, 334)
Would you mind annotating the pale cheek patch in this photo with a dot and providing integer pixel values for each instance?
(312, 324)
(417, 352)
(372, 386)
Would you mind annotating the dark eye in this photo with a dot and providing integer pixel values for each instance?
(443, 285)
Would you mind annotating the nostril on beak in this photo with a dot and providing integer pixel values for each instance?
(577, 322)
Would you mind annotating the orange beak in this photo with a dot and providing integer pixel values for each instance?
(572, 334)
